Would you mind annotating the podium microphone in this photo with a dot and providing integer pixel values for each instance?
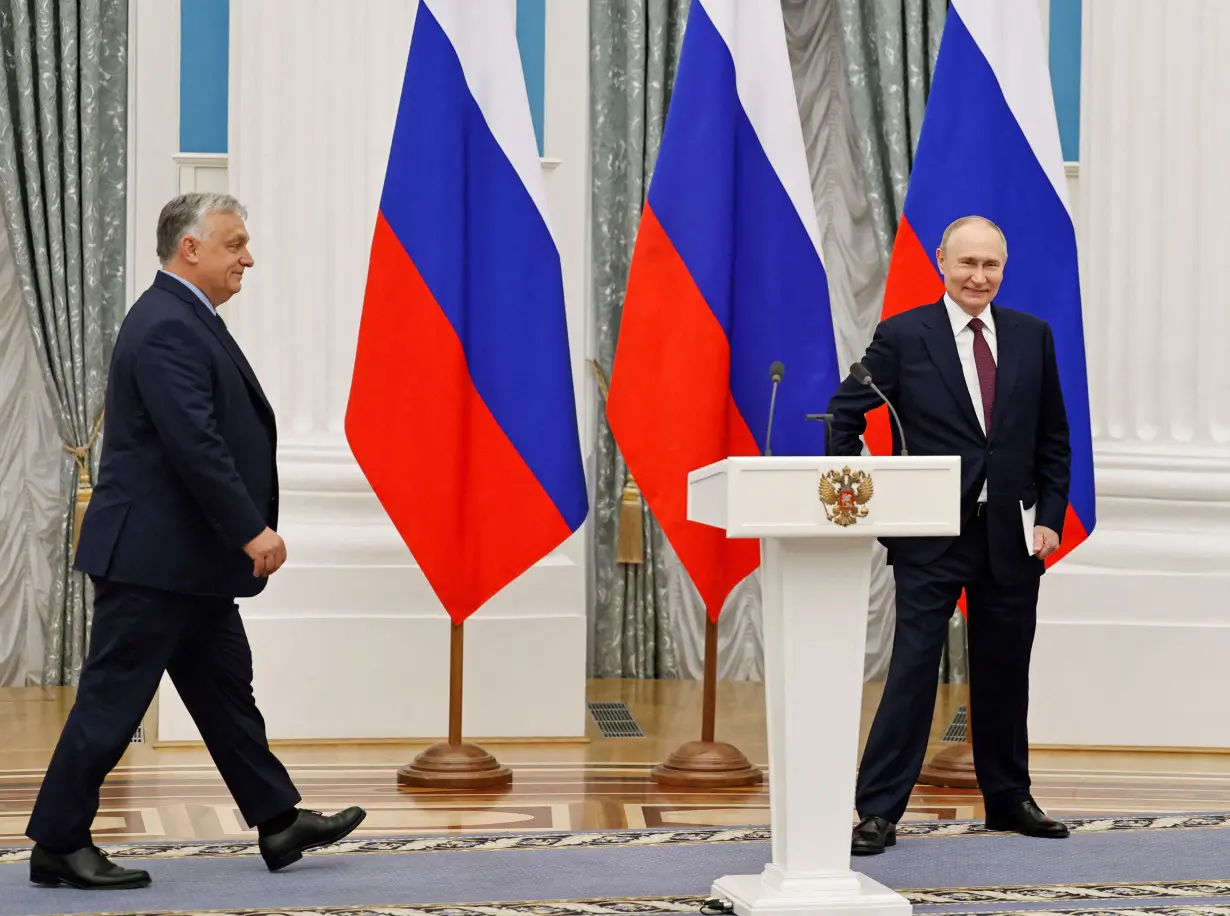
(776, 371)
(862, 376)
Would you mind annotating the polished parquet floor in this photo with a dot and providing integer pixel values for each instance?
(174, 793)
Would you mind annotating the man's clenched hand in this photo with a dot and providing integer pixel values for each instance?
(268, 552)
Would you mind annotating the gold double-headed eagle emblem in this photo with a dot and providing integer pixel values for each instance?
(845, 495)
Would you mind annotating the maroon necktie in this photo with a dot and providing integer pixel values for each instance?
(985, 364)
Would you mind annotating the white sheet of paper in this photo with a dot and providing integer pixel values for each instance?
(1027, 520)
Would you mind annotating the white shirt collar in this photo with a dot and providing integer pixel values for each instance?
(200, 295)
(960, 318)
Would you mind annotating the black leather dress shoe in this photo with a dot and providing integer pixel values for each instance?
(88, 869)
(1028, 819)
(311, 830)
(871, 836)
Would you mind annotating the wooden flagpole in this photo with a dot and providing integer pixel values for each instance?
(953, 767)
(453, 764)
(708, 763)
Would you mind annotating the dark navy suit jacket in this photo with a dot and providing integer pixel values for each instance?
(188, 472)
(1025, 457)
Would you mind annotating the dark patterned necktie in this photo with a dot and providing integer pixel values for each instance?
(985, 364)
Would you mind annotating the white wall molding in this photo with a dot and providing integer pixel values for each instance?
(202, 172)
(153, 131)
(1147, 590)
(153, 140)
(1201, 474)
(566, 168)
(566, 164)
(1072, 173)
(208, 171)
(307, 156)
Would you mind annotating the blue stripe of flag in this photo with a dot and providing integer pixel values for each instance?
(729, 217)
(996, 174)
(458, 207)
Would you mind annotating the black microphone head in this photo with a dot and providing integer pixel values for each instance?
(860, 373)
(777, 371)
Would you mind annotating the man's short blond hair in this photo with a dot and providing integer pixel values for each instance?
(967, 220)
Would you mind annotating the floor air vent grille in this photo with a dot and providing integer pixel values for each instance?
(614, 720)
(958, 728)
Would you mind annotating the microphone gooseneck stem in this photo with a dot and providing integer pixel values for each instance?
(896, 419)
(769, 432)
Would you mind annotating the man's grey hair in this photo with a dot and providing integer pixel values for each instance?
(967, 220)
(185, 215)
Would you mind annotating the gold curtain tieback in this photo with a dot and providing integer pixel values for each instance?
(81, 453)
(630, 542)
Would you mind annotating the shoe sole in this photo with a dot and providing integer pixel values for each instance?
(43, 879)
(292, 857)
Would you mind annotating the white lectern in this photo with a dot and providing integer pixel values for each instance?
(816, 518)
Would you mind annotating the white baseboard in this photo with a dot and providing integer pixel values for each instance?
(202, 172)
(365, 677)
(1128, 659)
(350, 642)
(1134, 626)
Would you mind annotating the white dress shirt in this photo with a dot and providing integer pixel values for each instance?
(965, 350)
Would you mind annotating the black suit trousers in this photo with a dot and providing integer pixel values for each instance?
(137, 634)
(1001, 624)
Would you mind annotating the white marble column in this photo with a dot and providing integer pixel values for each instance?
(1134, 626)
(314, 88)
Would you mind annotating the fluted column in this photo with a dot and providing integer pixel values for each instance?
(313, 98)
(314, 89)
(1147, 591)
(1155, 183)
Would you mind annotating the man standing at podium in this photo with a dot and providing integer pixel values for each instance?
(971, 378)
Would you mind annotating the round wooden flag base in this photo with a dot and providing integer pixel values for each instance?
(454, 766)
(953, 767)
(707, 764)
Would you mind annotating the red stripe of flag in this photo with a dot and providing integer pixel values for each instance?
(693, 421)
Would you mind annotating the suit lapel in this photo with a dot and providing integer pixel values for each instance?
(1007, 364)
(942, 347)
(217, 327)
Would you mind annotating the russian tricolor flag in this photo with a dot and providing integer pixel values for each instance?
(462, 413)
(726, 278)
(989, 145)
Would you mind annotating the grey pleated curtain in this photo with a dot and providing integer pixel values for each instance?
(862, 69)
(63, 168)
(634, 48)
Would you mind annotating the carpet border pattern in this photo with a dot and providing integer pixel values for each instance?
(1176, 910)
(1064, 893)
(1076, 824)
(632, 906)
(452, 843)
(616, 906)
(495, 842)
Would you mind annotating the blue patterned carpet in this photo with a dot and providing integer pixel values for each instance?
(1152, 866)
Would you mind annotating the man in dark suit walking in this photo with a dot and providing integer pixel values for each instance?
(978, 380)
(182, 522)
